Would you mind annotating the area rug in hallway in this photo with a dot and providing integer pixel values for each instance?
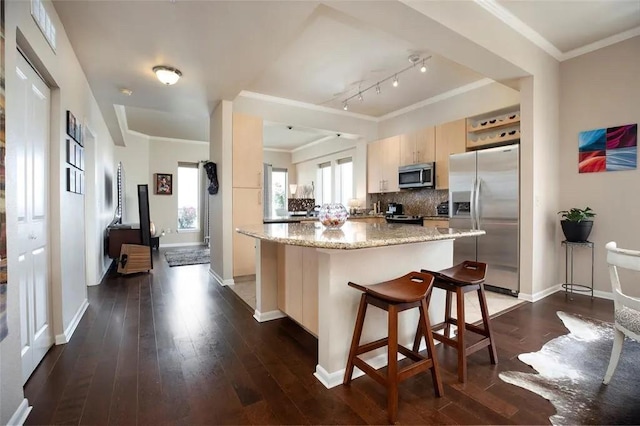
(570, 371)
(187, 257)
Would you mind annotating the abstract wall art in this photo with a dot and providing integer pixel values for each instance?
(607, 150)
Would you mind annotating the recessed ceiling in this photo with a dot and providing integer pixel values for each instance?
(301, 50)
(572, 24)
(286, 137)
(335, 57)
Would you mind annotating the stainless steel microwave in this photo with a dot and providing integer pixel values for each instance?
(417, 176)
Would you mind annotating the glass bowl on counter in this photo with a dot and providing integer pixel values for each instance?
(332, 215)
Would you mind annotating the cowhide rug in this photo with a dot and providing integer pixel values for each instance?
(570, 371)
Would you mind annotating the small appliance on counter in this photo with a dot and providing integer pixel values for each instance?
(443, 208)
(394, 209)
(407, 220)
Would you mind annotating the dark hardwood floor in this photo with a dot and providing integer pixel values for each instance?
(174, 347)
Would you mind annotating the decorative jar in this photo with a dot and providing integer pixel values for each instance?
(333, 215)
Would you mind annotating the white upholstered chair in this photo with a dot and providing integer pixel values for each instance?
(627, 309)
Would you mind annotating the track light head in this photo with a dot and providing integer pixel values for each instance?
(395, 81)
(360, 98)
(345, 106)
(423, 68)
(377, 88)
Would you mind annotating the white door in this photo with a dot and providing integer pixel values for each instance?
(32, 272)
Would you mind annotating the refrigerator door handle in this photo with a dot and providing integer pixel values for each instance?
(472, 206)
(476, 208)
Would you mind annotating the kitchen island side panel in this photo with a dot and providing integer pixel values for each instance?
(338, 303)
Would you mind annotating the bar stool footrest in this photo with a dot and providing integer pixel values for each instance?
(363, 349)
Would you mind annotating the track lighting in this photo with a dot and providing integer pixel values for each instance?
(414, 59)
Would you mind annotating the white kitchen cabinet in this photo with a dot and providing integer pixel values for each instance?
(450, 139)
(383, 160)
(418, 147)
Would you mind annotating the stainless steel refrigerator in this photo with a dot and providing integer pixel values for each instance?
(484, 194)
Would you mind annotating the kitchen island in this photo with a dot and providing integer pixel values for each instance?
(303, 270)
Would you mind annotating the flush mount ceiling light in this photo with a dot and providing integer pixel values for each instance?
(413, 59)
(167, 75)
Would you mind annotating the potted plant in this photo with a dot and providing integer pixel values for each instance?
(576, 224)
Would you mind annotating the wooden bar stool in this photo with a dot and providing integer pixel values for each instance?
(460, 279)
(409, 291)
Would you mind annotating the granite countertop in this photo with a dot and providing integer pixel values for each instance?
(289, 218)
(352, 235)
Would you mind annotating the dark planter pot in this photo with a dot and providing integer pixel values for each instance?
(576, 232)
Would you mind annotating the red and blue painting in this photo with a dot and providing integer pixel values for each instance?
(608, 150)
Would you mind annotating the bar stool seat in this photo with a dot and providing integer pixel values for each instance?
(409, 291)
(460, 279)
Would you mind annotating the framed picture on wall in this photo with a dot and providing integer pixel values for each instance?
(164, 183)
(71, 125)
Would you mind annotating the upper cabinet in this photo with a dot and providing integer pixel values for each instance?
(383, 160)
(418, 147)
(247, 151)
(450, 139)
(494, 128)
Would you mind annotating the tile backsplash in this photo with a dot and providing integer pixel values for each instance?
(414, 202)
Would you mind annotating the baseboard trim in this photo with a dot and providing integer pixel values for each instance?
(540, 294)
(21, 413)
(198, 243)
(268, 316)
(220, 280)
(558, 287)
(603, 294)
(63, 338)
(331, 380)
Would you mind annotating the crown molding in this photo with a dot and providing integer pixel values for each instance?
(165, 139)
(299, 104)
(287, 151)
(316, 142)
(500, 12)
(439, 98)
(617, 38)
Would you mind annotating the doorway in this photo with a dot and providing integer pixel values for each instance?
(30, 269)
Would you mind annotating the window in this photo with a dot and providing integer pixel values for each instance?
(279, 191)
(188, 197)
(325, 183)
(344, 176)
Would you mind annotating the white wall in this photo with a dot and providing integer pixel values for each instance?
(281, 160)
(134, 157)
(164, 156)
(600, 89)
(141, 158)
(70, 91)
(303, 117)
(487, 98)
(99, 163)
(220, 205)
